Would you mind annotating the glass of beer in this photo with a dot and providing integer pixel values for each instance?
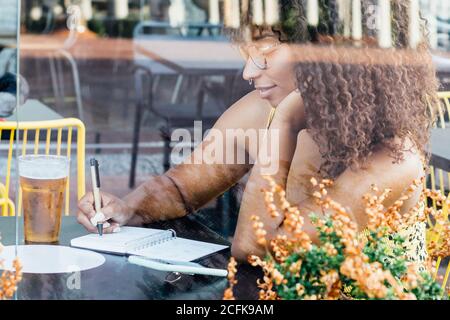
(43, 182)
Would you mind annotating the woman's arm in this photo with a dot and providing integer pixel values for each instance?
(190, 185)
(348, 189)
(183, 189)
(199, 179)
(206, 173)
(288, 121)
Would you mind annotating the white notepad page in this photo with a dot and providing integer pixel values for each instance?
(114, 242)
(179, 249)
(151, 243)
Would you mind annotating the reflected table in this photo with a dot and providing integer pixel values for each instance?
(186, 57)
(118, 279)
(31, 110)
(194, 56)
(34, 110)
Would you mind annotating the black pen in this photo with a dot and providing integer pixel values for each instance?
(96, 191)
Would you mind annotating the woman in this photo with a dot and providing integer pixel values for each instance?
(338, 108)
(7, 82)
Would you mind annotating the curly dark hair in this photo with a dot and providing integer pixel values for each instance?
(358, 96)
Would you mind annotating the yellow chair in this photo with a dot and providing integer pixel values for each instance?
(5, 201)
(23, 130)
(435, 230)
(441, 109)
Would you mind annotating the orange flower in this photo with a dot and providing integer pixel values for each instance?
(228, 294)
(260, 233)
(9, 280)
(369, 277)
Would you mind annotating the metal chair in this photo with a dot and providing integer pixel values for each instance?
(174, 114)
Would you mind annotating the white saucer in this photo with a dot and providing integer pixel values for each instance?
(50, 258)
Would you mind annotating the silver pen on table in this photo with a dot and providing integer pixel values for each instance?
(96, 191)
(176, 266)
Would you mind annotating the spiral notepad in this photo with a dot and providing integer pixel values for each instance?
(151, 243)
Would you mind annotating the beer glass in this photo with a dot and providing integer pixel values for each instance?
(42, 181)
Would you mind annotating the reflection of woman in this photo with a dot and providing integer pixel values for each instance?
(7, 83)
(359, 116)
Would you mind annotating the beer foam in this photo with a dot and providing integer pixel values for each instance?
(32, 174)
(42, 167)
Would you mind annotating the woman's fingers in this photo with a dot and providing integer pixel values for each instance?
(113, 211)
(110, 211)
(84, 221)
(86, 205)
(113, 228)
(117, 211)
(107, 198)
(86, 215)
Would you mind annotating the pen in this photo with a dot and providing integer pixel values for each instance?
(96, 191)
(174, 267)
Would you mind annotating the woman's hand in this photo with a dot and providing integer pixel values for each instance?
(291, 112)
(288, 121)
(115, 211)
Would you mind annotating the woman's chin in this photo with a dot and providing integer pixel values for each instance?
(274, 101)
(277, 97)
(274, 98)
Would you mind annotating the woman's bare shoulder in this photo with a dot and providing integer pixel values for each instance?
(385, 171)
(249, 112)
(408, 166)
(380, 166)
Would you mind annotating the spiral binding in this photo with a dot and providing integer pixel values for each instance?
(146, 242)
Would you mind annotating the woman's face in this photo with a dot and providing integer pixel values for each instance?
(270, 67)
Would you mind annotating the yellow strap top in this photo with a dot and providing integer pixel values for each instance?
(269, 120)
(414, 245)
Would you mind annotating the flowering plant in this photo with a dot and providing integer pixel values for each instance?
(9, 279)
(346, 263)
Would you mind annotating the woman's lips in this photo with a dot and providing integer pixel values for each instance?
(265, 91)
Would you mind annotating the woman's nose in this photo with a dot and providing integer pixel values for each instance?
(251, 71)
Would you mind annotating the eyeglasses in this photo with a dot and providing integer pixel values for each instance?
(258, 51)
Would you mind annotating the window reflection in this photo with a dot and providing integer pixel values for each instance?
(9, 76)
(133, 71)
(8, 100)
(8, 57)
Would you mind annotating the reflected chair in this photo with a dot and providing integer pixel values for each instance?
(175, 116)
(60, 76)
(148, 72)
(29, 135)
(442, 111)
(181, 115)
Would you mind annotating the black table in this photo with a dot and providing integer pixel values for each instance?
(118, 279)
(440, 148)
